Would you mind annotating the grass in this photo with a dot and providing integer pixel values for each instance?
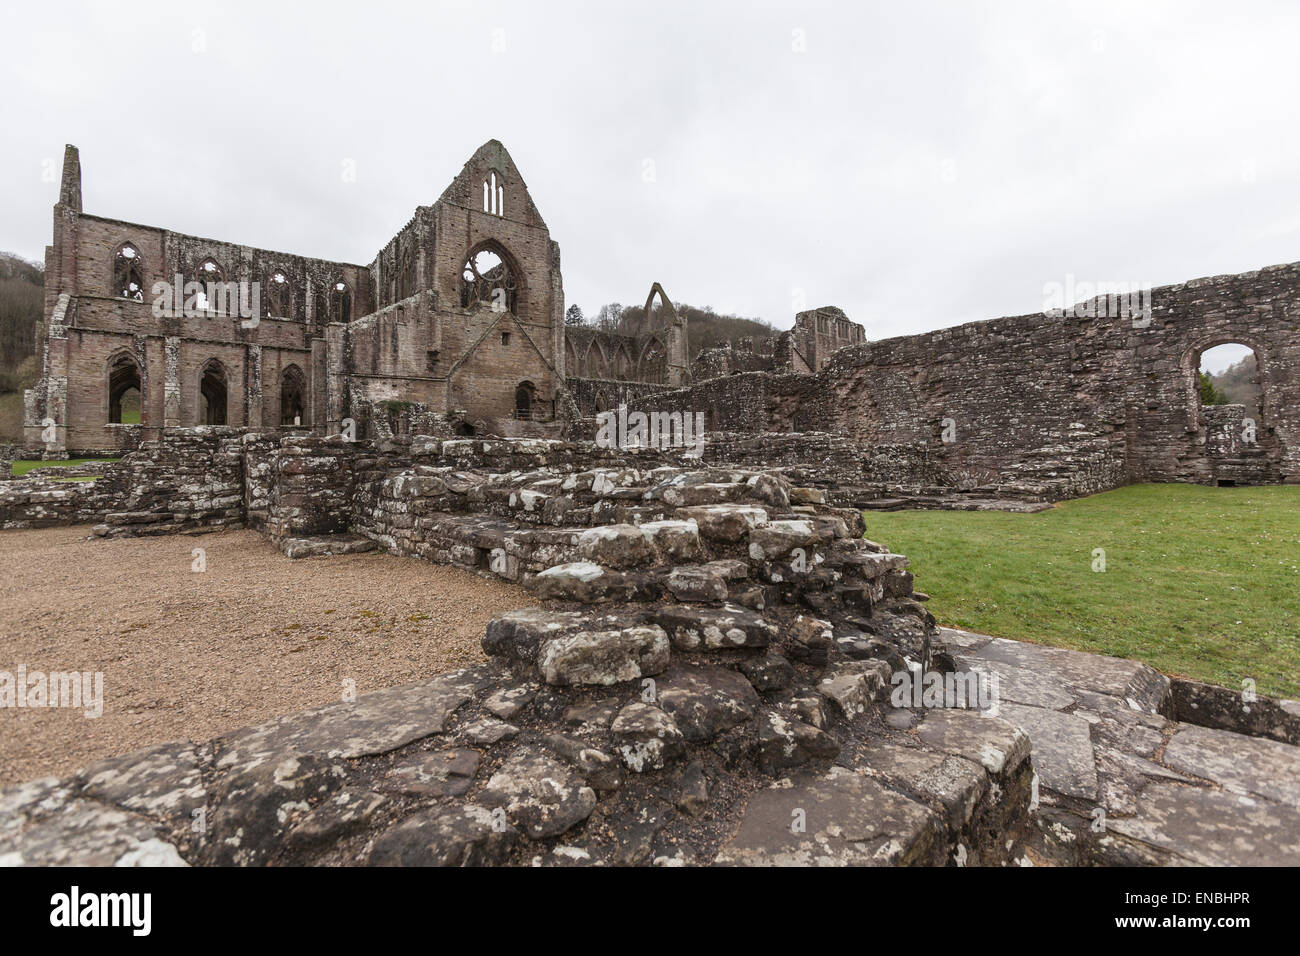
(1199, 582)
(23, 466)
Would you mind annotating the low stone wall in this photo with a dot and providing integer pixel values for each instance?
(1220, 707)
(592, 395)
(190, 479)
(41, 502)
(259, 451)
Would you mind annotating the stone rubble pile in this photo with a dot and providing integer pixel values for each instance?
(707, 678)
(711, 644)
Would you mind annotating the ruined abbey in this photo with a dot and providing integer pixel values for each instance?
(456, 327)
(717, 645)
(460, 316)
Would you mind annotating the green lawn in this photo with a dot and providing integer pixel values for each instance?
(23, 466)
(1199, 582)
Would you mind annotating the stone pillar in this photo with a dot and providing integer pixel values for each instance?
(172, 382)
(679, 359)
(316, 388)
(45, 406)
(335, 380)
(253, 387)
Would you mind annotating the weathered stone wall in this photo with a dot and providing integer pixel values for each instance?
(88, 326)
(42, 502)
(746, 355)
(991, 396)
(311, 487)
(190, 479)
(259, 450)
(595, 395)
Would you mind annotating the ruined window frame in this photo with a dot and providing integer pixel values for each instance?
(652, 365)
(128, 271)
(204, 277)
(494, 193)
(276, 288)
(341, 301)
(478, 291)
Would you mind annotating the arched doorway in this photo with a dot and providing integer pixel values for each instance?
(124, 390)
(1229, 415)
(212, 393)
(293, 406)
(525, 396)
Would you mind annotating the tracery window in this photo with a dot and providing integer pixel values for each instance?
(487, 279)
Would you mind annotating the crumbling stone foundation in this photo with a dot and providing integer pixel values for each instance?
(711, 662)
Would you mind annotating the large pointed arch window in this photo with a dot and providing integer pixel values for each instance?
(279, 295)
(487, 279)
(128, 273)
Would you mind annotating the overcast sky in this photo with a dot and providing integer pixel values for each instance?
(916, 164)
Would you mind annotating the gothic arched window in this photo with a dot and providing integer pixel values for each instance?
(279, 296)
(341, 302)
(494, 195)
(128, 273)
(488, 279)
(209, 278)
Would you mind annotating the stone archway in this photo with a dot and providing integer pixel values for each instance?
(212, 393)
(124, 390)
(1232, 442)
(525, 401)
(293, 397)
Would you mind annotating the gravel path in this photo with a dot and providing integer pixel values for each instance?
(192, 655)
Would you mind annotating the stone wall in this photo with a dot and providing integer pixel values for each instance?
(594, 395)
(190, 479)
(747, 355)
(42, 502)
(8, 455)
(1116, 393)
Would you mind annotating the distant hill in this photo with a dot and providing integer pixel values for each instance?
(1237, 383)
(705, 328)
(22, 297)
(16, 267)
